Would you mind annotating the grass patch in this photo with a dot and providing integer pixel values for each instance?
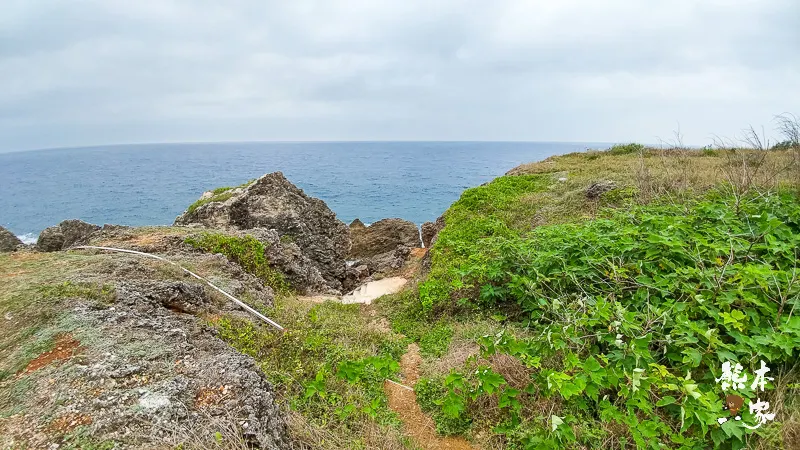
(221, 197)
(68, 289)
(329, 365)
(219, 194)
(12, 397)
(492, 210)
(81, 439)
(246, 251)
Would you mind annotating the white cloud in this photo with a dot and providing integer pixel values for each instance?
(113, 71)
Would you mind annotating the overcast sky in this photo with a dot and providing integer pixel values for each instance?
(121, 71)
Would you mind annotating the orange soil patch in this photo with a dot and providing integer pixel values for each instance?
(66, 346)
(403, 401)
(69, 422)
(418, 252)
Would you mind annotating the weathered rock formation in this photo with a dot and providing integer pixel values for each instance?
(289, 259)
(385, 263)
(430, 230)
(381, 237)
(356, 275)
(65, 235)
(8, 241)
(274, 203)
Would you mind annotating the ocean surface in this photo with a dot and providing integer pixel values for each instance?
(152, 184)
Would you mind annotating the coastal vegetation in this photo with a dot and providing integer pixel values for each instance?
(608, 318)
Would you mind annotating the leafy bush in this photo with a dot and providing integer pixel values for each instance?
(633, 316)
(431, 395)
(784, 145)
(246, 251)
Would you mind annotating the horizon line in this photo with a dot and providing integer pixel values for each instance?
(357, 141)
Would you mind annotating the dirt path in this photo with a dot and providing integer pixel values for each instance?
(403, 401)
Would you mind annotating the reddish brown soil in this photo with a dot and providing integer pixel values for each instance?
(66, 346)
(69, 422)
(403, 401)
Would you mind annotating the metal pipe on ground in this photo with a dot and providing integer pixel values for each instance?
(242, 304)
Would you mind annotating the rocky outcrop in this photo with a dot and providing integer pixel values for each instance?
(430, 230)
(65, 235)
(174, 295)
(8, 241)
(289, 259)
(206, 386)
(387, 262)
(274, 203)
(596, 189)
(356, 275)
(381, 237)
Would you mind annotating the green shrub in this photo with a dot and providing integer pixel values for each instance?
(784, 145)
(431, 394)
(246, 251)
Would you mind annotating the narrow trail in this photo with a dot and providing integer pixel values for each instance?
(403, 401)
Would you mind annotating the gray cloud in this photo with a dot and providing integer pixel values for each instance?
(113, 71)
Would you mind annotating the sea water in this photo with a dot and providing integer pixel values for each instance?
(152, 184)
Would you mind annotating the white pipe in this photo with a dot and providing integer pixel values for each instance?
(232, 298)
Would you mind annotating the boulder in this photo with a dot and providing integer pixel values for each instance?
(8, 241)
(596, 189)
(65, 235)
(382, 236)
(272, 202)
(387, 262)
(430, 230)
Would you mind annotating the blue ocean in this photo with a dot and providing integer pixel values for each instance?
(151, 184)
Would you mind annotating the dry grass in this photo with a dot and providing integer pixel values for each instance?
(307, 436)
(654, 173)
(457, 355)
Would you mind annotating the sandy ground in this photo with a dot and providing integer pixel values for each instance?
(374, 289)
